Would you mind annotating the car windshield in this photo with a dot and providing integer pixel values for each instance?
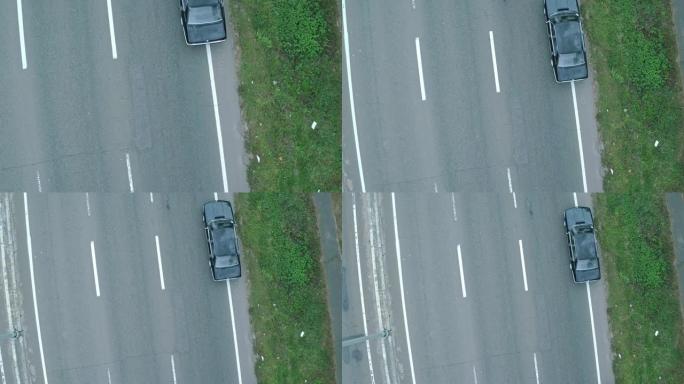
(570, 59)
(226, 261)
(586, 265)
(205, 14)
(584, 229)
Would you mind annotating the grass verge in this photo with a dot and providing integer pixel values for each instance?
(287, 292)
(639, 102)
(290, 78)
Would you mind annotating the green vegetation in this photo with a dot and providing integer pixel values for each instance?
(287, 292)
(639, 103)
(290, 77)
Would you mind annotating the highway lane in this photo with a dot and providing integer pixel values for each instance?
(465, 135)
(158, 316)
(470, 320)
(76, 119)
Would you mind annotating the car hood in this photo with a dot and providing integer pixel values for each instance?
(226, 273)
(587, 275)
(578, 72)
(577, 215)
(218, 209)
(206, 33)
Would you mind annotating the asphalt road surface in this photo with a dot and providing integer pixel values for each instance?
(330, 258)
(112, 306)
(102, 101)
(473, 288)
(433, 111)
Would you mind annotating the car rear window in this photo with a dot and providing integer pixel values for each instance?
(207, 14)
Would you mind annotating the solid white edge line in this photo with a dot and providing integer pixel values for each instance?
(460, 270)
(496, 72)
(574, 197)
(215, 196)
(579, 136)
(536, 368)
(401, 288)
(33, 288)
(151, 197)
(130, 173)
(173, 368)
(20, 17)
(351, 96)
(475, 374)
(109, 377)
(95, 276)
(159, 261)
(217, 118)
(235, 340)
(522, 262)
(593, 335)
(363, 300)
(377, 278)
(111, 28)
(374, 224)
(420, 69)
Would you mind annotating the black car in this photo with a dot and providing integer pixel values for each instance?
(219, 224)
(584, 262)
(203, 21)
(568, 55)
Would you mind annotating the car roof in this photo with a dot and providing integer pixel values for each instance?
(585, 246)
(224, 241)
(554, 6)
(568, 37)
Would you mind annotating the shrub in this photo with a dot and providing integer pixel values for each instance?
(300, 28)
